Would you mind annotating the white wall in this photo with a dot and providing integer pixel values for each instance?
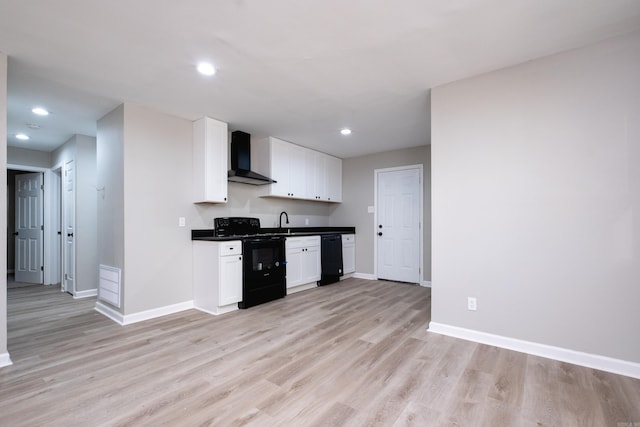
(4, 355)
(358, 178)
(536, 195)
(82, 150)
(245, 200)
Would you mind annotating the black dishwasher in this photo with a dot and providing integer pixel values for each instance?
(330, 259)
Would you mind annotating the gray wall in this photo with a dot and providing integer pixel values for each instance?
(110, 182)
(157, 165)
(4, 356)
(536, 192)
(26, 157)
(358, 194)
(82, 150)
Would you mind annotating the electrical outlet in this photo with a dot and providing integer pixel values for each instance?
(306, 221)
(182, 222)
(472, 304)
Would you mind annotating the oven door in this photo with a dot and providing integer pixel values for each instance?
(263, 272)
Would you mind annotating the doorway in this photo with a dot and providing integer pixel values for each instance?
(398, 224)
(49, 206)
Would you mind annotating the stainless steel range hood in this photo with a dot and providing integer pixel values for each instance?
(241, 161)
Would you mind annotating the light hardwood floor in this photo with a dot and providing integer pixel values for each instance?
(355, 353)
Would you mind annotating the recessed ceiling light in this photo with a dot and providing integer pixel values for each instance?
(22, 136)
(40, 111)
(206, 69)
(346, 131)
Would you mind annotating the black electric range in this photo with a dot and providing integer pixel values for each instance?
(263, 259)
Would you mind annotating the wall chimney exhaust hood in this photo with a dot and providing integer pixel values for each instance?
(241, 161)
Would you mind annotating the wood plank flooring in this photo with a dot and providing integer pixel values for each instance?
(355, 353)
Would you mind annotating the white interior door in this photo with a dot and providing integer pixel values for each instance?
(68, 233)
(29, 228)
(398, 230)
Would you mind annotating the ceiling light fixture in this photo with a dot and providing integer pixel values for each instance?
(40, 111)
(206, 69)
(346, 131)
(22, 136)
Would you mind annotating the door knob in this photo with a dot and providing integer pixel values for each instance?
(15, 234)
(380, 233)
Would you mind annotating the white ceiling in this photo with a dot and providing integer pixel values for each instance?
(297, 70)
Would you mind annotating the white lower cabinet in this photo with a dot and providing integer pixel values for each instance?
(303, 261)
(217, 276)
(348, 253)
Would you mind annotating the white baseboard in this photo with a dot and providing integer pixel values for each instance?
(301, 288)
(109, 312)
(365, 276)
(86, 294)
(426, 283)
(603, 363)
(128, 319)
(219, 310)
(5, 360)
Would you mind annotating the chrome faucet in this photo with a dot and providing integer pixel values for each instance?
(286, 216)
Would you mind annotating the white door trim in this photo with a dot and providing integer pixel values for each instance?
(50, 228)
(377, 172)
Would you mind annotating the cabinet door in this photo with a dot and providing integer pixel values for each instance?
(294, 267)
(334, 179)
(348, 253)
(312, 266)
(279, 168)
(310, 171)
(210, 149)
(320, 176)
(297, 172)
(230, 279)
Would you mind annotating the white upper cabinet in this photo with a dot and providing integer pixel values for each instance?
(283, 162)
(300, 173)
(210, 148)
(333, 167)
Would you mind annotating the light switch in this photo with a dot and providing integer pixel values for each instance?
(370, 209)
(182, 222)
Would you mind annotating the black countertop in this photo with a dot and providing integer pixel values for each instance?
(209, 234)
